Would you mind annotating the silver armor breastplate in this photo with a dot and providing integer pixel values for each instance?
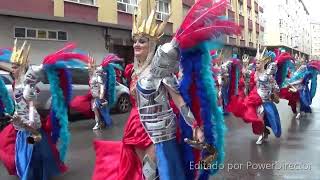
(95, 83)
(264, 87)
(22, 110)
(155, 112)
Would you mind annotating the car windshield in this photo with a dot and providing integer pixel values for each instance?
(79, 76)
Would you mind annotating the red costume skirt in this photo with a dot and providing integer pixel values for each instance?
(292, 97)
(118, 160)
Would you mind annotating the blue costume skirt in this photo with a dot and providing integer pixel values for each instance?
(305, 99)
(272, 118)
(34, 161)
(104, 112)
(169, 161)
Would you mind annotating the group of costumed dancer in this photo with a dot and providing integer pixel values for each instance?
(179, 91)
(251, 87)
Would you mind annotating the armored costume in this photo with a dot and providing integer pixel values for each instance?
(260, 108)
(35, 153)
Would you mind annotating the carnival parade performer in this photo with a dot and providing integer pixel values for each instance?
(35, 155)
(260, 109)
(296, 88)
(244, 81)
(156, 84)
(102, 87)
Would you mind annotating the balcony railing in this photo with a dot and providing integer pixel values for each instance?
(242, 43)
(256, 7)
(241, 20)
(231, 15)
(232, 41)
(249, 3)
(250, 24)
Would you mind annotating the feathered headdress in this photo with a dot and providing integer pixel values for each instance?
(56, 66)
(202, 24)
(108, 65)
(146, 24)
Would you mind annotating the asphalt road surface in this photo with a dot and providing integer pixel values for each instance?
(296, 155)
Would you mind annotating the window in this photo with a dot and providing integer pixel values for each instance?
(87, 2)
(240, 7)
(127, 6)
(31, 33)
(62, 35)
(19, 32)
(185, 10)
(163, 9)
(257, 17)
(40, 34)
(52, 35)
(250, 36)
(249, 13)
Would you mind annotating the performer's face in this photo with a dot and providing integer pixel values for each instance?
(15, 69)
(141, 47)
(259, 66)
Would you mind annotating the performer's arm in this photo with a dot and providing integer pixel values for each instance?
(186, 113)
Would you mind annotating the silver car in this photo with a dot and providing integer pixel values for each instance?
(80, 87)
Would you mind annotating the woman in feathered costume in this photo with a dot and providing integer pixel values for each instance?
(157, 84)
(35, 155)
(260, 109)
(296, 88)
(102, 87)
(244, 82)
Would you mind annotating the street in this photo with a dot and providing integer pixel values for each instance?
(293, 156)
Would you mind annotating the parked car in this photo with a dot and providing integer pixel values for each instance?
(80, 87)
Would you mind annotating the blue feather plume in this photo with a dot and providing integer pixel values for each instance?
(5, 99)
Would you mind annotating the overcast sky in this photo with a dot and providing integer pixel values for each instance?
(314, 9)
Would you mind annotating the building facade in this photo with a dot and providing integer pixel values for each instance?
(288, 26)
(315, 41)
(97, 26)
(249, 15)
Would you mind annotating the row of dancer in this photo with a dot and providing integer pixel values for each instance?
(169, 82)
(250, 88)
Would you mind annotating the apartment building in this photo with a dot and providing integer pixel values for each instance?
(288, 26)
(97, 26)
(315, 41)
(249, 15)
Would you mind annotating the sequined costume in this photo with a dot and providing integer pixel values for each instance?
(35, 154)
(260, 109)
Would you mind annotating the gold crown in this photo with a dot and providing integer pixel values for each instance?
(261, 57)
(146, 25)
(20, 55)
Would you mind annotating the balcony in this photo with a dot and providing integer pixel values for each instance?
(241, 20)
(261, 9)
(188, 2)
(232, 41)
(257, 28)
(231, 15)
(242, 43)
(250, 26)
(256, 7)
(249, 3)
